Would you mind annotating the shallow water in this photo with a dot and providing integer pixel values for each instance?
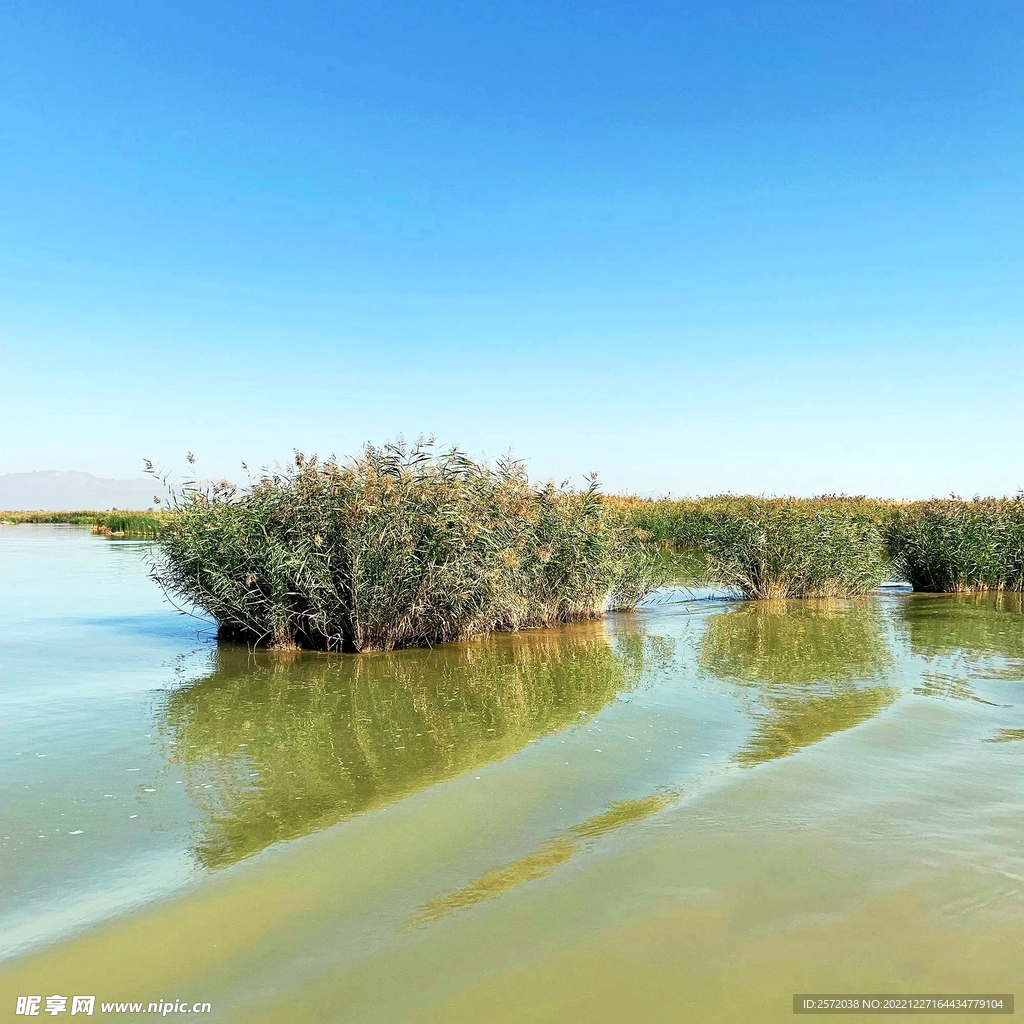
(692, 812)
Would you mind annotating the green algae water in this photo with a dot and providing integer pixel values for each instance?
(688, 813)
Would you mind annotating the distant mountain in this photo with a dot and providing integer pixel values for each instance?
(67, 489)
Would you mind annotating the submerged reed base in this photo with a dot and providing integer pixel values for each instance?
(401, 547)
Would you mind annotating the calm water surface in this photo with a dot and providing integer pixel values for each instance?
(687, 813)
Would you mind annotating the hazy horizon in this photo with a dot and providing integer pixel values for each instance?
(70, 490)
(117, 492)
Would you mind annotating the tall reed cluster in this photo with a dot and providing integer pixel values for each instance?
(780, 549)
(685, 522)
(128, 524)
(400, 547)
(961, 546)
(837, 546)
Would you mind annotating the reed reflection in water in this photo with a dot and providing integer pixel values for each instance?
(813, 666)
(276, 747)
(971, 627)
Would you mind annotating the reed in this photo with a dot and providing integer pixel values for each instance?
(836, 546)
(400, 547)
(770, 548)
(685, 522)
(129, 524)
(121, 523)
(779, 549)
(72, 518)
(953, 546)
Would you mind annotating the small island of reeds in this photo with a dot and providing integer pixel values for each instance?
(775, 548)
(398, 547)
(952, 546)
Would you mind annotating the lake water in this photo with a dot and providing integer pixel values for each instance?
(688, 813)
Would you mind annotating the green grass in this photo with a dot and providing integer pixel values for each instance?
(399, 548)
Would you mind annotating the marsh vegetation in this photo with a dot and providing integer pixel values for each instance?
(954, 546)
(116, 523)
(400, 547)
(783, 549)
(773, 548)
(832, 546)
(410, 546)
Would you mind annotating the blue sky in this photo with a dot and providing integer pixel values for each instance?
(758, 247)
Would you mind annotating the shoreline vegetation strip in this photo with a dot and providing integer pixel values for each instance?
(117, 522)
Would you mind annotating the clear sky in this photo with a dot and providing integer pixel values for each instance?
(760, 247)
